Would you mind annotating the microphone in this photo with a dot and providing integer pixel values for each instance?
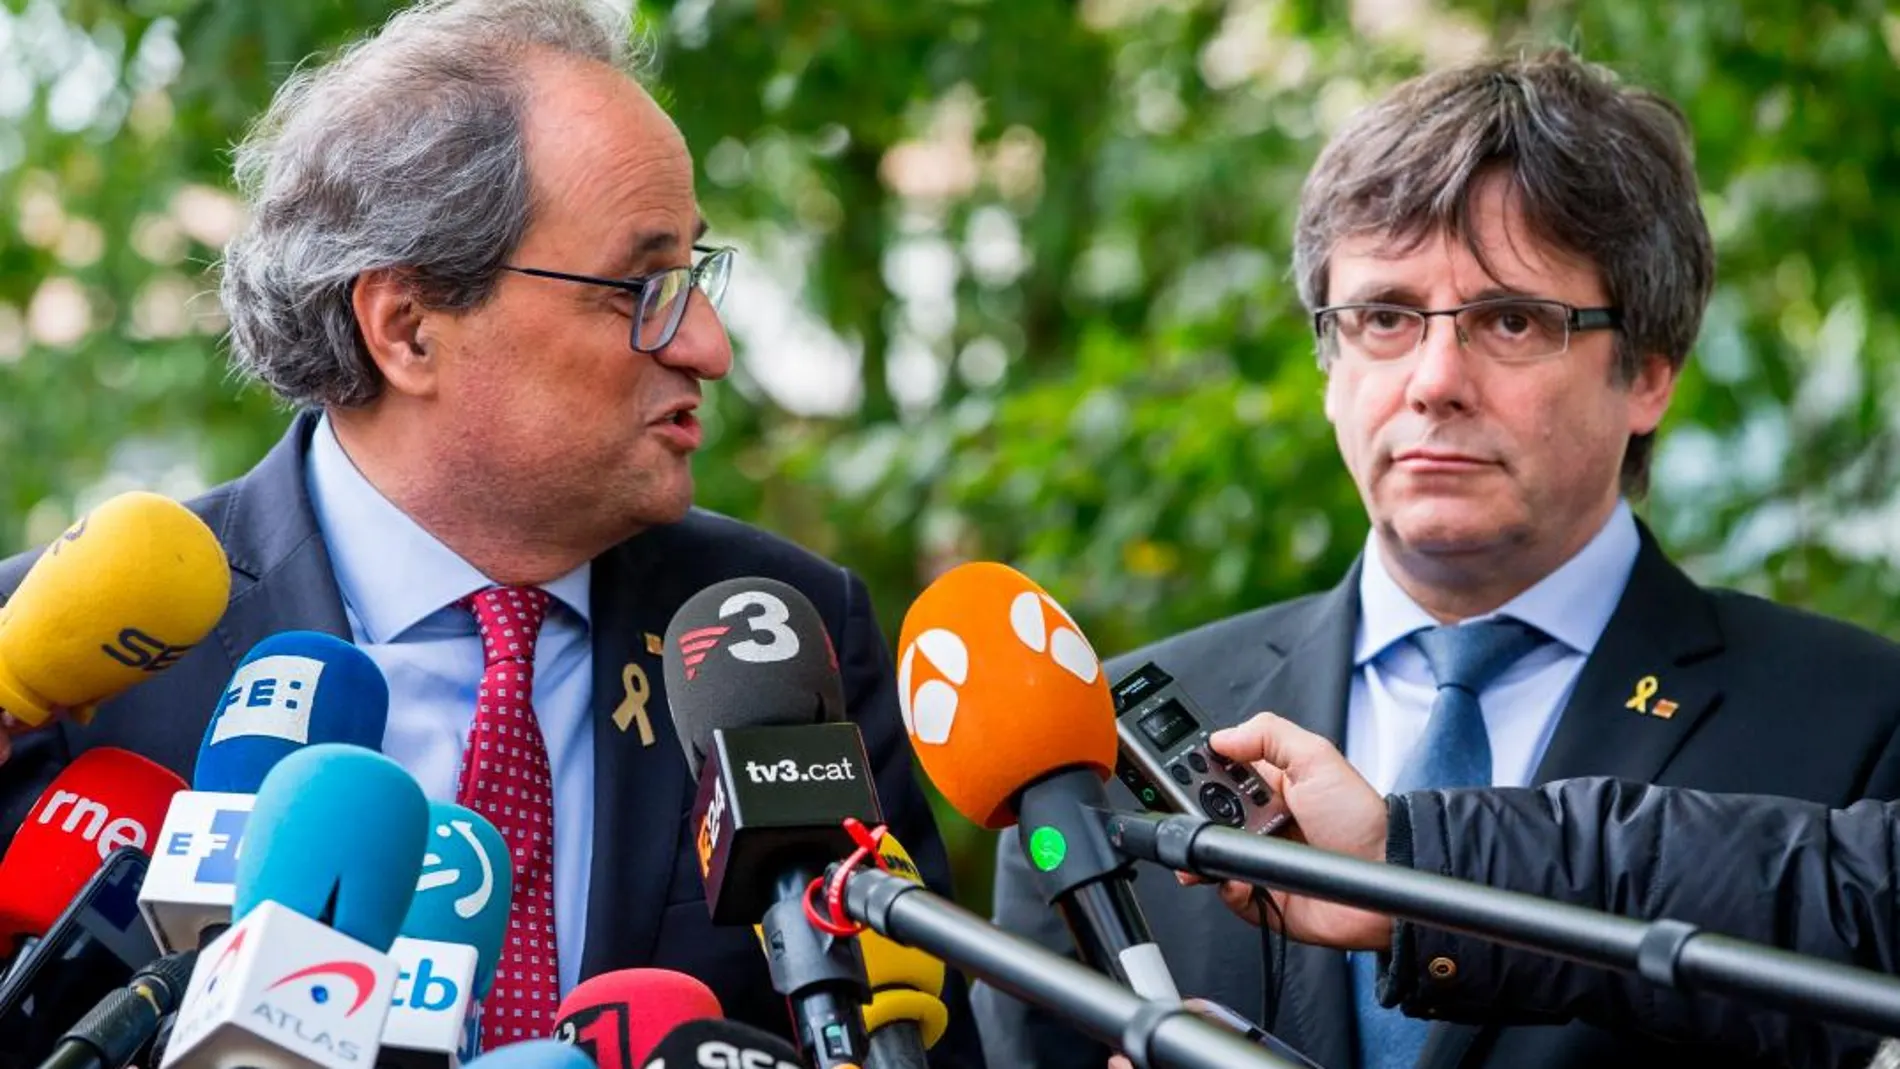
(111, 1035)
(332, 856)
(906, 1016)
(618, 1018)
(534, 1054)
(121, 595)
(293, 689)
(753, 684)
(1009, 712)
(106, 798)
(721, 1044)
(451, 938)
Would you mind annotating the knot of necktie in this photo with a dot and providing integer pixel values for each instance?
(1470, 656)
(510, 619)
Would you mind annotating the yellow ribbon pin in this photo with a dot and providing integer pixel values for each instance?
(634, 705)
(1645, 689)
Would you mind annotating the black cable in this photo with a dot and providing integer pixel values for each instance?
(1273, 972)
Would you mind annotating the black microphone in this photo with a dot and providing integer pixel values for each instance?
(721, 1043)
(127, 1019)
(752, 681)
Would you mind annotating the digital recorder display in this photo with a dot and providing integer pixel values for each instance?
(1167, 725)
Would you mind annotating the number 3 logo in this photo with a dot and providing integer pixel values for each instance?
(780, 642)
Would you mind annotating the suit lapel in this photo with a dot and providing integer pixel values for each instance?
(639, 771)
(1308, 684)
(1640, 693)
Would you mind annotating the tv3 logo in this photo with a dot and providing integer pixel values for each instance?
(774, 641)
(136, 649)
(216, 849)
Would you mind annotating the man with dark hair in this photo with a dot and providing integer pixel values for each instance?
(474, 262)
(1506, 267)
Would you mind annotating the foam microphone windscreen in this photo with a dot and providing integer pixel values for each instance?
(998, 688)
(467, 882)
(337, 835)
(721, 1043)
(748, 653)
(534, 1054)
(294, 689)
(123, 594)
(906, 983)
(106, 798)
(618, 1018)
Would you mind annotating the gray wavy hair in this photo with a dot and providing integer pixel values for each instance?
(1600, 170)
(405, 151)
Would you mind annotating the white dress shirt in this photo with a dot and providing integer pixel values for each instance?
(1392, 686)
(399, 587)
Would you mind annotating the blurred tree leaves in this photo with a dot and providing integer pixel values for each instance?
(1045, 247)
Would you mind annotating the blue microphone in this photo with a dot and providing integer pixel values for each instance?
(450, 940)
(294, 689)
(337, 835)
(535, 1054)
(330, 862)
(466, 886)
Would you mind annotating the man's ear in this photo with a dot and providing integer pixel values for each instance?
(1650, 393)
(392, 324)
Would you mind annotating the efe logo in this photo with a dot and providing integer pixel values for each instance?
(269, 697)
(787, 771)
(217, 849)
(92, 823)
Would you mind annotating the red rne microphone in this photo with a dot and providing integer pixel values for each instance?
(617, 1018)
(106, 798)
(1009, 711)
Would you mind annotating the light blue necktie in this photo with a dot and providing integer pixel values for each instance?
(1455, 751)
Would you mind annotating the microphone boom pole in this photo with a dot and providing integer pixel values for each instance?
(1665, 952)
(1152, 1033)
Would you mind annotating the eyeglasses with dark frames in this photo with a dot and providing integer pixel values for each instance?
(660, 298)
(1509, 330)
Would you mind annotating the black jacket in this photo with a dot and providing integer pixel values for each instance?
(1819, 881)
(1766, 699)
(646, 904)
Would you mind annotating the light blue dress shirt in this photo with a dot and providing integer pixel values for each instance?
(1392, 686)
(399, 587)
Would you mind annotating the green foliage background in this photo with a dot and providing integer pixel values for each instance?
(1050, 240)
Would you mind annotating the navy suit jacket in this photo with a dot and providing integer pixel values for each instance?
(646, 905)
(1769, 700)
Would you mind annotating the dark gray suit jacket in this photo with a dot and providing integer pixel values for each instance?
(646, 905)
(1770, 701)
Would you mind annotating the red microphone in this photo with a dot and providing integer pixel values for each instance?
(617, 1018)
(106, 798)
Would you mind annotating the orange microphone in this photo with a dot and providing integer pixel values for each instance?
(1009, 712)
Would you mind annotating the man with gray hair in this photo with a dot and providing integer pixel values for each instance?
(1506, 266)
(475, 263)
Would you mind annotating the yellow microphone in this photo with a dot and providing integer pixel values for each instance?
(119, 597)
(906, 983)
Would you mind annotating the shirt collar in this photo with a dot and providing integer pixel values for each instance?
(1572, 604)
(392, 573)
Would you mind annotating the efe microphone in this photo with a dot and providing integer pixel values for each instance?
(329, 869)
(121, 595)
(293, 689)
(752, 681)
(1009, 711)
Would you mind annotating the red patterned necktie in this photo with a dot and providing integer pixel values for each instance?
(505, 778)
